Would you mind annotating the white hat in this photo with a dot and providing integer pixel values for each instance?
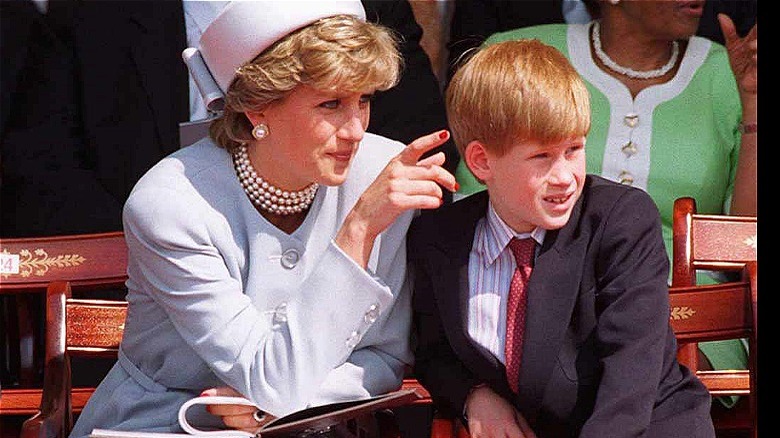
(243, 30)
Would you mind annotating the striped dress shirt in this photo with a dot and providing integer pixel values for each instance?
(491, 265)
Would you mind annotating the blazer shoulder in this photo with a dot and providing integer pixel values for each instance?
(601, 194)
(450, 222)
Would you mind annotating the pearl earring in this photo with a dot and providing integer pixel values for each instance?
(260, 131)
(615, 2)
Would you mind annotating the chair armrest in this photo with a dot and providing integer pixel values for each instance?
(54, 413)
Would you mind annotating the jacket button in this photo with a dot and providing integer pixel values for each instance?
(290, 258)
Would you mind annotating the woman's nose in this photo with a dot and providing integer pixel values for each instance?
(354, 127)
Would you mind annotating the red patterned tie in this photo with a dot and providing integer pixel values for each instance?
(523, 250)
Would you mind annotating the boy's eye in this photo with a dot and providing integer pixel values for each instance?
(574, 149)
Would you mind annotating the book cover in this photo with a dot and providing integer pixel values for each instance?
(307, 421)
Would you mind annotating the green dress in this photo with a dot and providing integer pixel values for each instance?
(675, 139)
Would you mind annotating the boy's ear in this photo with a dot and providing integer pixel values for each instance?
(476, 157)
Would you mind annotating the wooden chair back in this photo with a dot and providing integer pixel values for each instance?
(709, 242)
(28, 266)
(703, 313)
(87, 261)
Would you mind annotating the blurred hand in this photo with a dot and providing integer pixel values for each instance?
(743, 54)
(490, 416)
(406, 183)
(235, 416)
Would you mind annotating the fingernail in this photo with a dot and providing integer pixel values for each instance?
(444, 134)
(457, 187)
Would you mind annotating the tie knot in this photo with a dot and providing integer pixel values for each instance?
(523, 250)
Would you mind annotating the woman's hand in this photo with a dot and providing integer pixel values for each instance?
(743, 57)
(743, 54)
(406, 183)
(490, 416)
(236, 416)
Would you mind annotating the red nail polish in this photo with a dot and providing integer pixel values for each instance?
(443, 135)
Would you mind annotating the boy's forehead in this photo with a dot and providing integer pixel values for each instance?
(535, 143)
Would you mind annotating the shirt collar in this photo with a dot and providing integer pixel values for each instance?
(497, 235)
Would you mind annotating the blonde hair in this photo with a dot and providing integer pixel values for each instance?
(340, 53)
(516, 91)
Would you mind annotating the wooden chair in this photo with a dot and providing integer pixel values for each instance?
(728, 311)
(27, 267)
(74, 327)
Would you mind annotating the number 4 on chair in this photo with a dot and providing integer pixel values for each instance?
(9, 263)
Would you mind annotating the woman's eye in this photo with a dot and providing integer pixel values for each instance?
(366, 98)
(331, 104)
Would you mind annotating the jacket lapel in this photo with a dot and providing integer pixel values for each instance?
(451, 288)
(552, 294)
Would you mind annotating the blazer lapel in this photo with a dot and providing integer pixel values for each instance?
(552, 293)
(451, 288)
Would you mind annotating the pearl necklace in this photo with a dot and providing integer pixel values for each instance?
(264, 195)
(617, 68)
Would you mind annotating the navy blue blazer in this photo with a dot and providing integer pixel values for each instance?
(599, 356)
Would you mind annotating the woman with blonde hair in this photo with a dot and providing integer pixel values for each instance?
(270, 258)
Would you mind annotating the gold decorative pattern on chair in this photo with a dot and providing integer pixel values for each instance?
(752, 242)
(683, 312)
(38, 262)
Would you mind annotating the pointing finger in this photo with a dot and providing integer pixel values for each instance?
(412, 153)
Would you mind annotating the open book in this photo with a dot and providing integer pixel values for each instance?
(307, 421)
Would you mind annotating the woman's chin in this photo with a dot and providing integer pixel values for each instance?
(333, 179)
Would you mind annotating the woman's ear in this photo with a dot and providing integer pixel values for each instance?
(254, 117)
(476, 156)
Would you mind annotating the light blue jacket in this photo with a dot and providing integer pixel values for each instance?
(218, 296)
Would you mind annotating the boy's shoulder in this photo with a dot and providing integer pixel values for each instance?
(603, 188)
(464, 207)
(604, 197)
(450, 220)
